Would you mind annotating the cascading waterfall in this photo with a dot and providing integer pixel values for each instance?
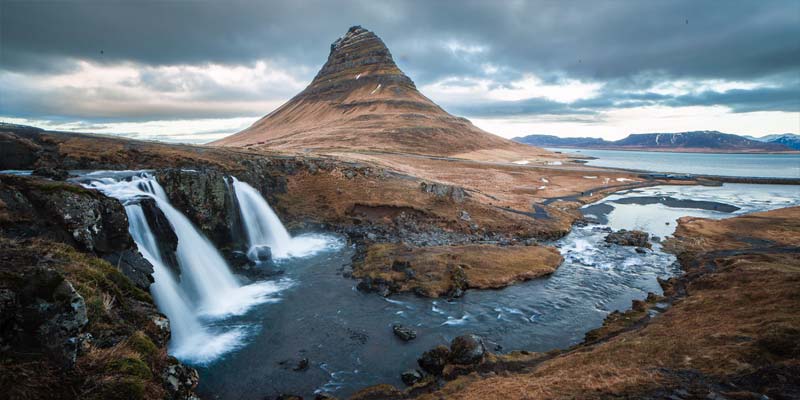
(264, 228)
(164, 288)
(207, 288)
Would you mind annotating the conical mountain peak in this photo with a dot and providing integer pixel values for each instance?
(361, 100)
(356, 55)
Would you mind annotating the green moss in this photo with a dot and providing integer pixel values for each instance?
(143, 345)
(59, 186)
(95, 309)
(133, 367)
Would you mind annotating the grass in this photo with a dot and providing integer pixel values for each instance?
(735, 320)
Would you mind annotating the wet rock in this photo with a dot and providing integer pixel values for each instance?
(324, 396)
(301, 365)
(237, 258)
(180, 380)
(288, 397)
(624, 237)
(411, 376)
(459, 279)
(51, 173)
(467, 349)
(434, 360)
(204, 197)
(134, 266)
(641, 250)
(639, 305)
(167, 239)
(260, 253)
(377, 285)
(403, 332)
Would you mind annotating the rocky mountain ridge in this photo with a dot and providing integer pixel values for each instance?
(711, 141)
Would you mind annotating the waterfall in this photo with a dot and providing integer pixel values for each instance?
(207, 288)
(164, 288)
(264, 228)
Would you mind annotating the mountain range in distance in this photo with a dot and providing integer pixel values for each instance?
(695, 141)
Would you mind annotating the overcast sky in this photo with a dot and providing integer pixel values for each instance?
(197, 70)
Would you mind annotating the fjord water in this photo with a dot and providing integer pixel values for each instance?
(740, 165)
(347, 337)
(207, 290)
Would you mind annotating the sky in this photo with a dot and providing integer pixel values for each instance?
(195, 71)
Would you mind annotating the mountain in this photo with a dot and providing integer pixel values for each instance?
(555, 141)
(709, 141)
(361, 100)
(787, 139)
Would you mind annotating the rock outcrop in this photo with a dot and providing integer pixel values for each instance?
(76, 320)
(361, 100)
(624, 237)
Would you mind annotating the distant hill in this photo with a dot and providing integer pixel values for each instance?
(361, 100)
(555, 141)
(787, 139)
(696, 141)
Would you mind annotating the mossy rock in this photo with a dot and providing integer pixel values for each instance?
(132, 367)
(121, 389)
(142, 344)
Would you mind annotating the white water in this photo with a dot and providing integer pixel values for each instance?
(207, 288)
(264, 228)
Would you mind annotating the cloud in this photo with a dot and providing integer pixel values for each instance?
(577, 61)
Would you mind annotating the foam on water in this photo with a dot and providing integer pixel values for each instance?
(207, 290)
(264, 228)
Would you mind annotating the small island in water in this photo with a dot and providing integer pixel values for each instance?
(361, 242)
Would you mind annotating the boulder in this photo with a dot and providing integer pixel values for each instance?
(411, 376)
(259, 253)
(434, 360)
(180, 380)
(403, 332)
(467, 349)
(624, 237)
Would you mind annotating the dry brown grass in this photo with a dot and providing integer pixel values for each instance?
(438, 270)
(739, 318)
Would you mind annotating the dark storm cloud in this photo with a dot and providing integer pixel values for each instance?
(597, 40)
(635, 44)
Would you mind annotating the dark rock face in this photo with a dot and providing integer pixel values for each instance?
(161, 228)
(203, 197)
(70, 214)
(467, 349)
(623, 237)
(17, 152)
(433, 361)
(180, 380)
(404, 333)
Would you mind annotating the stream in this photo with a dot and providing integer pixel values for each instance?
(313, 313)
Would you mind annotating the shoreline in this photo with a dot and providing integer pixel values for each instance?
(692, 151)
